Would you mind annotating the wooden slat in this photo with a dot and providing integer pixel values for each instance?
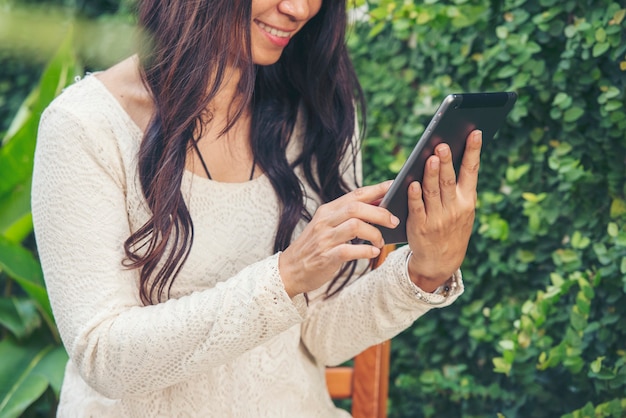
(371, 382)
(339, 381)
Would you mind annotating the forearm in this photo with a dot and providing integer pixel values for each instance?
(132, 350)
(374, 308)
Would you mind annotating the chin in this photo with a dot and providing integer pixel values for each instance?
(265, 59)
(265, 63)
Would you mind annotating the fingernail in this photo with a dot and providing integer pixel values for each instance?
(434, 163)
(442, 151)
(394, 220)
(375, 251)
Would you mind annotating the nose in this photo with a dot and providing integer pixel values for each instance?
(296, 9)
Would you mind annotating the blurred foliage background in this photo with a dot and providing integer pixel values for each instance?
(541, 330)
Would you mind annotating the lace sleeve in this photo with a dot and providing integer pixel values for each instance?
(373, 308)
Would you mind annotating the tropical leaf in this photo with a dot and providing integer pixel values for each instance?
(18, 147)
(16, 221)
(21, 266)
(52, 367)
(19, 316)
(26, 377)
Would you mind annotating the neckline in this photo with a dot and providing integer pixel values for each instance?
(139, 132)
(199, 179)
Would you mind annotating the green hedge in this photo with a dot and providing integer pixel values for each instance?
(541, 330)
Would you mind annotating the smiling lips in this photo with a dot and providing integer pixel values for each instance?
(276, 36)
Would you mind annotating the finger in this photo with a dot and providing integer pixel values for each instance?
(357, 204)
(356, 229)
(447, 176)
(431, 193)
(468, 174)
(349, 252)
(367, 194)
(416, 203)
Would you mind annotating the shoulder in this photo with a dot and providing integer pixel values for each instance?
(84, 113)
(85, 126)
(79, 100)
(82, 101)
(104, 101)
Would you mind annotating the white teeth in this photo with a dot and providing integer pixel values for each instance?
(274, 31)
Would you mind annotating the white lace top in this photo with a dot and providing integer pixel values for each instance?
(228, 342)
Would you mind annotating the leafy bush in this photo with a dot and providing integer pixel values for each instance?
(541, 330)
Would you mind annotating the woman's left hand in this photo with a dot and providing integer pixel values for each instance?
(441, 215)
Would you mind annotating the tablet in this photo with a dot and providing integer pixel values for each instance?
(456, 117)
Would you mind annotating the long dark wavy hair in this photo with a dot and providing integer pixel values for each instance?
(192, 45)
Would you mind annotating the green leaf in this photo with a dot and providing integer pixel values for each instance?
(584, 306)
(16, 157)
(507, 71)
(600, 48)
(618, 17)
(612, 92)
(378, 28)
(578, 321)
(526, 256)
(556, 279)
(573, 114)
(15, 214)
(618, 208)
(570, 31)
(19, 316)
(52, 367)
(502, 32)
(398, 161)
(580, 242)
(513, 174)
(613, 105)
(501, 366)
(428, 377)
(562, 100)
(17, 152)
(566, 256)
(507, 344)
(533, 198)
(20, 383)
(596, 365)
(22, 267)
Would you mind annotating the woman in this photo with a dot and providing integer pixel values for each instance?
(194, 218)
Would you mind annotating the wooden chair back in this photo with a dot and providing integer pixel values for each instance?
(366, 383)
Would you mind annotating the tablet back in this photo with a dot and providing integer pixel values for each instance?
(456, 117)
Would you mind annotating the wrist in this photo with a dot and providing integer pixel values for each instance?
(431, 291)
(286, 276)
(426, 283)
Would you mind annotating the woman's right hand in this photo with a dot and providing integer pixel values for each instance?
(324, 246)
